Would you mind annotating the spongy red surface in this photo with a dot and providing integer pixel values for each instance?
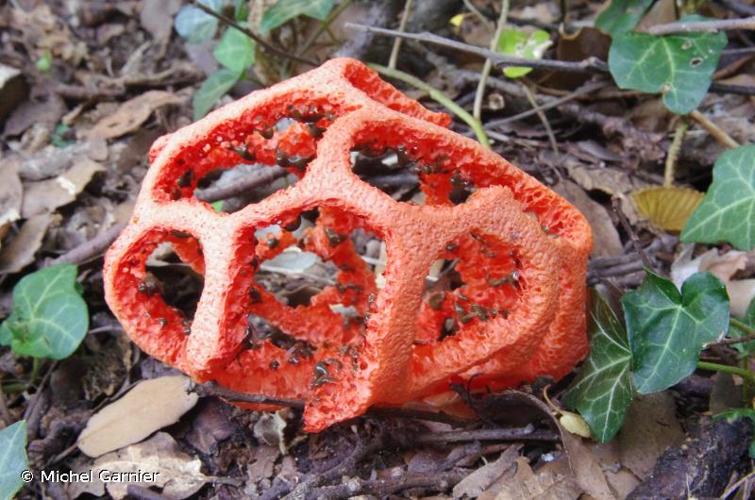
(520, 251)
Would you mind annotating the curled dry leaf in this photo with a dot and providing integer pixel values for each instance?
(270, 429)
(131, 114)
(606, 241)
(159, 460)
(548, 482)
(11, 193)
(45, 196)
(19, 252)
(149, 406)
(723, 267)
(478, 481)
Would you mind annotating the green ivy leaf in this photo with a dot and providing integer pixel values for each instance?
(602, 391)
(736, 414)
(13, 459)
(49, 318)
(667, 330)
(621, 16)
(196, 26)
(216, 86)
(680, 67)
(285, 10)
(235, 51)
(727, 212)
(518, 43)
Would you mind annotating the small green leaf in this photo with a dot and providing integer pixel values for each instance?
(667, 330)
(680, 67)
(727, 212)
(621, 16)
(285, 10)
(196, 26)
(736, 414)
(13, 460)
(217, 206)
(603, 389)
(44, 63)
(241, 10)
(216, 86)
(49, 318)
(518, 43)
(235, 50)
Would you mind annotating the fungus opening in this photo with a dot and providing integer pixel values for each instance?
(477, 279)
(179, 286)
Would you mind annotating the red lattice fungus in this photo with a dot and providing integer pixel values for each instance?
(484, 277)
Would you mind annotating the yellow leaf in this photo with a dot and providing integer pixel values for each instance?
(667, 208)
(574, 424)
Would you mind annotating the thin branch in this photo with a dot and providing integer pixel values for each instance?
(393, 59)
(510, 434)
(616, 205)
(254, 180)
(323, 26)
(725, 88)
(440, 97)
(718, 134)
(746, 23)
(261, 41)
(91, 248)
(590, 65)
(543, 119)
(477, 107)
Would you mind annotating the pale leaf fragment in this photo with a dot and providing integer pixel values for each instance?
(131, 114)
(149, 406)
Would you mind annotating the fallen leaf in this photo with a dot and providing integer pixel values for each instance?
(46, 112)
(156, 16)
(159, 461)
(131, 114)
(723, 267)
(11, 194)
(667, 208)
(149, 406)
(650, 427)
(19, 252)
(605, 237)
(545, 483)
(263, 462)
(587, 470)
(610, 180)
(479, 480)
(46, 196)
(210, 426)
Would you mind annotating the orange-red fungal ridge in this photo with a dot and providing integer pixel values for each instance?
(520, 253)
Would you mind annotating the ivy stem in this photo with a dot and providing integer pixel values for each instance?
(480, 93)
(439, 97)
(747, 375)
(742, 326)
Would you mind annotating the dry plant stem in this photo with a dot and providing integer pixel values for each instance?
(477, 108)
(734, 487)
(590, 65)
(4, 413)
(673, 153)
(733, 370)
(615, 202)
(515, 434)
(747, 23)
(440, 97)
(740, 340)
(719, 135)
(90, 249)
(261, 41)
(474, 10)
(325, 25)
(541, 115)
(393, 59)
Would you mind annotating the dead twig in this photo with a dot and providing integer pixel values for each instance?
(590, 65)
(717, 133)
(527, 433)
(393, 59)
(386, 487)
(477, 106)
(91, 248)
(747, 23)
(615, 202)
(254, 180)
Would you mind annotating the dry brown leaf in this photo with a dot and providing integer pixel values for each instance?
(176, 473)
(610, 180)
(19, 252)
(156, 17)
(545, 485)
(149, 406)
(723, 267)
(606, 239)
(270, 429)
(131, 114)
(46, 196)
(649, 428)
(587, 470)
(667, 208)
(478, 481)
(11, 194)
